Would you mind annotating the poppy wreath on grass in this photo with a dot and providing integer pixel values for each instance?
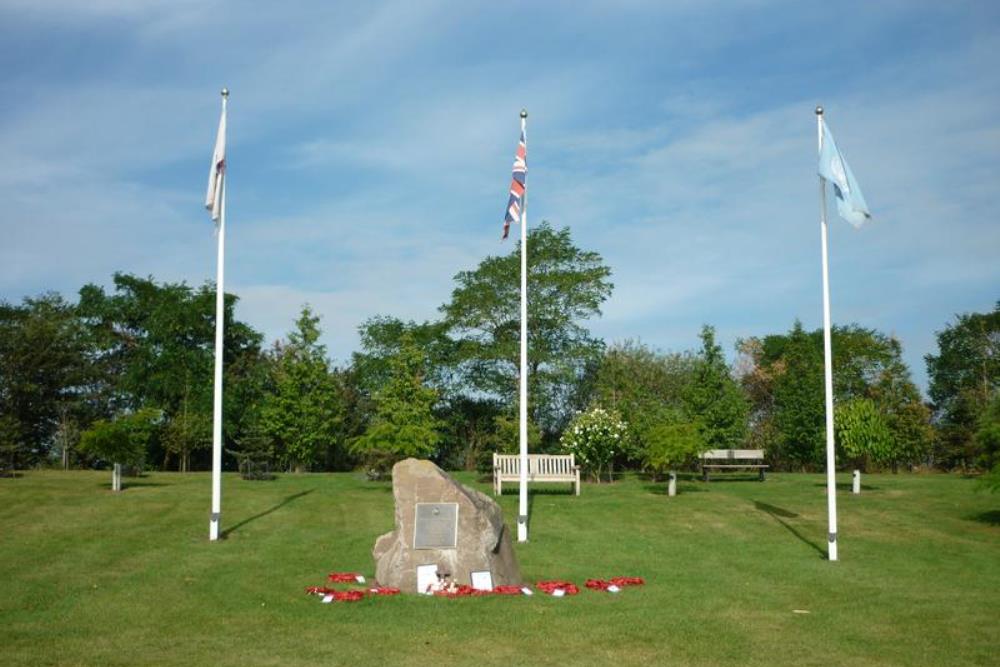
(550, 587)
(617, 582)
(350, 595)
(461, 591)
(345, 578)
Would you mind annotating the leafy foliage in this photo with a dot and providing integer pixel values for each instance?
(255, 454)
(302, 413)
(153, 344)
(862, 432)
(185, 433)
(566, 285)
(783, 377)
(44, 373)
(715, 398)
(123, 439)
(964, 376)
(594, 436)
(404, 424)
(988, 434)
(641, 384)
(673, 442)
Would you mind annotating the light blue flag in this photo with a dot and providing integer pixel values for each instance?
(833, 167)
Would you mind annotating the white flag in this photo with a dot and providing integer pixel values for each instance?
(213, 199)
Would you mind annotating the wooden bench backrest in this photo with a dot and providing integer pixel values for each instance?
(538, 464)
(733, 455)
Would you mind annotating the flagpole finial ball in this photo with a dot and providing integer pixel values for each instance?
(225, 92)
(819, 111)
(524, 113)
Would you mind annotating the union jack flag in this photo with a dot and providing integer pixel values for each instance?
(516, 201)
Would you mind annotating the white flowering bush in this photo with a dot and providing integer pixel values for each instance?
(594, 437)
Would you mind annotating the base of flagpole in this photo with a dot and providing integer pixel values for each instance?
(213, 528)
(522, 528)
(832, 547)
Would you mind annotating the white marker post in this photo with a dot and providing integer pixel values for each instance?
(522, 512)
(831, 478)
(220, 314)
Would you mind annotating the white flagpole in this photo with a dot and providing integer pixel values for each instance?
(522, 513)
(220, 313)
(831, 480)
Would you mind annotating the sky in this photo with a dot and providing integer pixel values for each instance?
(370, 147)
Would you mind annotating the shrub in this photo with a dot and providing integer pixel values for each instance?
(594, 436)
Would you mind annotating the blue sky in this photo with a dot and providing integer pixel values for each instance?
(370, 150)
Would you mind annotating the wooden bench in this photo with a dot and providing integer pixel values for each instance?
(738, 459)
(541, 468)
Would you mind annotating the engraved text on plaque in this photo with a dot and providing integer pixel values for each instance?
(436, 526)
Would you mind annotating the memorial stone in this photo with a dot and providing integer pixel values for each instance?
(442, 523)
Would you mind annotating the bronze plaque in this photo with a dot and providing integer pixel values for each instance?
(436, 526)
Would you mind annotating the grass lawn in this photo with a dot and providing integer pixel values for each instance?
(92, 578)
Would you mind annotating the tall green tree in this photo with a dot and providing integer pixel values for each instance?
(44, 374)
(715, 399)
(155, 346)
(566, 287)
(303, 413)
(964, 377)
(799, 412)
(404, 424)
(382, 339)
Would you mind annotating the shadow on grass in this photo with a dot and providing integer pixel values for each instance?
(848, 486)
(661, 489)
(288, 499)
(732, 477)
(127, 483)
(384, 486)
(779, 514)
(991, 517)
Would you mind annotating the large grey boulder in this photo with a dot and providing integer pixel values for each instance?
(481, 542)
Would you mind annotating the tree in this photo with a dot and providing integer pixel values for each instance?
(254, 454)
(381, 339)
(673, 441)
(964, 378)
(123, 439)
(862, 432)
(155, 343)
(185, 433)
(566, 286)
(988, 435)
(783, 376)
(715, 399)
(594, 436)
(303, 412)
(470, 433)
(641, 384)
(799, 412)
(506, 437)
(43, 374)
(906, 416)
(404, 424)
